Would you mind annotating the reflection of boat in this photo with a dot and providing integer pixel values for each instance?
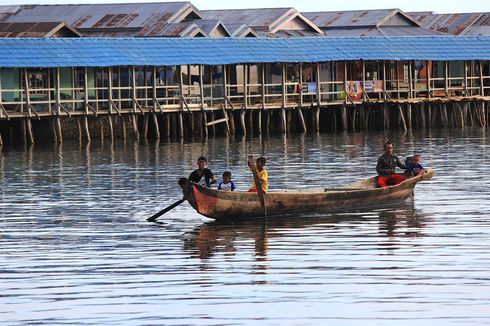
(235, 236)
(234, 204)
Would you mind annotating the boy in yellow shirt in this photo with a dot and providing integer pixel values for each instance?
(262, 174)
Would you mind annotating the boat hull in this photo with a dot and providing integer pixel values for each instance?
(226, 204)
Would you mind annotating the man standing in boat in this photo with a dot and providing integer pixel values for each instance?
(386, 166)
(202, 175)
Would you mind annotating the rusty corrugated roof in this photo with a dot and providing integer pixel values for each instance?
(456, 24)
(270, 20)
(352, 18)
(209, 26)
(35, 29)
(360, 18)
(109, 16)
(186, 29)
(241, 30)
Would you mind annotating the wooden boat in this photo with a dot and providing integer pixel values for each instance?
(219, 204)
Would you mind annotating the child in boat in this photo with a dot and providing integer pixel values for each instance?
(262, 174)
(202, 175)
(226, 184)
(414, 167)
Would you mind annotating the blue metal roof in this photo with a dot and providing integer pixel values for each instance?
(103, 52)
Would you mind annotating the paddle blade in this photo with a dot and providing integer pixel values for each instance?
(163, 211)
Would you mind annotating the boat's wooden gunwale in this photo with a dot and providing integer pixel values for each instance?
(225, 204)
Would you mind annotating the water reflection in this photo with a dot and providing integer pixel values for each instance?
(394, 223)
(74, 231)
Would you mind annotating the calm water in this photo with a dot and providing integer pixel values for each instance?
(75, 247)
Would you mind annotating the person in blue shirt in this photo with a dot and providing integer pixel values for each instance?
(226, 184)
(415, 168)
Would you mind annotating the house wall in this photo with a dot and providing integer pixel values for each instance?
(9, 79)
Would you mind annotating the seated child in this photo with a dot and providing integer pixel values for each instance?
(226, 184)
(415, 168)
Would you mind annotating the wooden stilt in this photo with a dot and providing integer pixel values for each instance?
(23, 127)
(283, 120)
(444, 117)
(354, 115)
(111, 127)
(301, 120)
(484, 115)
(123, 122)
(242, 122)
(429, 115)
(155, 124)
(408, 120)
(231, 119)
(468, 114)
(433, 116)
(251, 122)
(1, 139)
(213, 127)
(57, 126)
(343, 117)
(386, 117)
(362, 111)
(205, 123)
(402, 118)
(80, 133)
(167, 119)
(317, 119)
(259, 121)
(267, 120)
(86, 127)
(53, 129)
(461, 116)
(181, 124)
(366, 116)
(145, 126)
(422, 116)
(136, 132)
(289, 121)
(101, 123)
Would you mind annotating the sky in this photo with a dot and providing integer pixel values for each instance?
(438, 6)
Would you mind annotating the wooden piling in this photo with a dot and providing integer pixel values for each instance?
(259, 121)
(267, 120)
(408, 119)
(145, 126)
(154, 118)
(111, 127)
(343, 117)
(283, 120)
(231, 119)
(86, 127)
(317, 119)
(180, 118)
(289, 121)
(251, 122)
(242, 123)
(302, 123)
(58, 132)
(403, 123)
(386, 117)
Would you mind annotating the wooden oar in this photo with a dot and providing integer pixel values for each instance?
(258, 184)
(163, 211)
